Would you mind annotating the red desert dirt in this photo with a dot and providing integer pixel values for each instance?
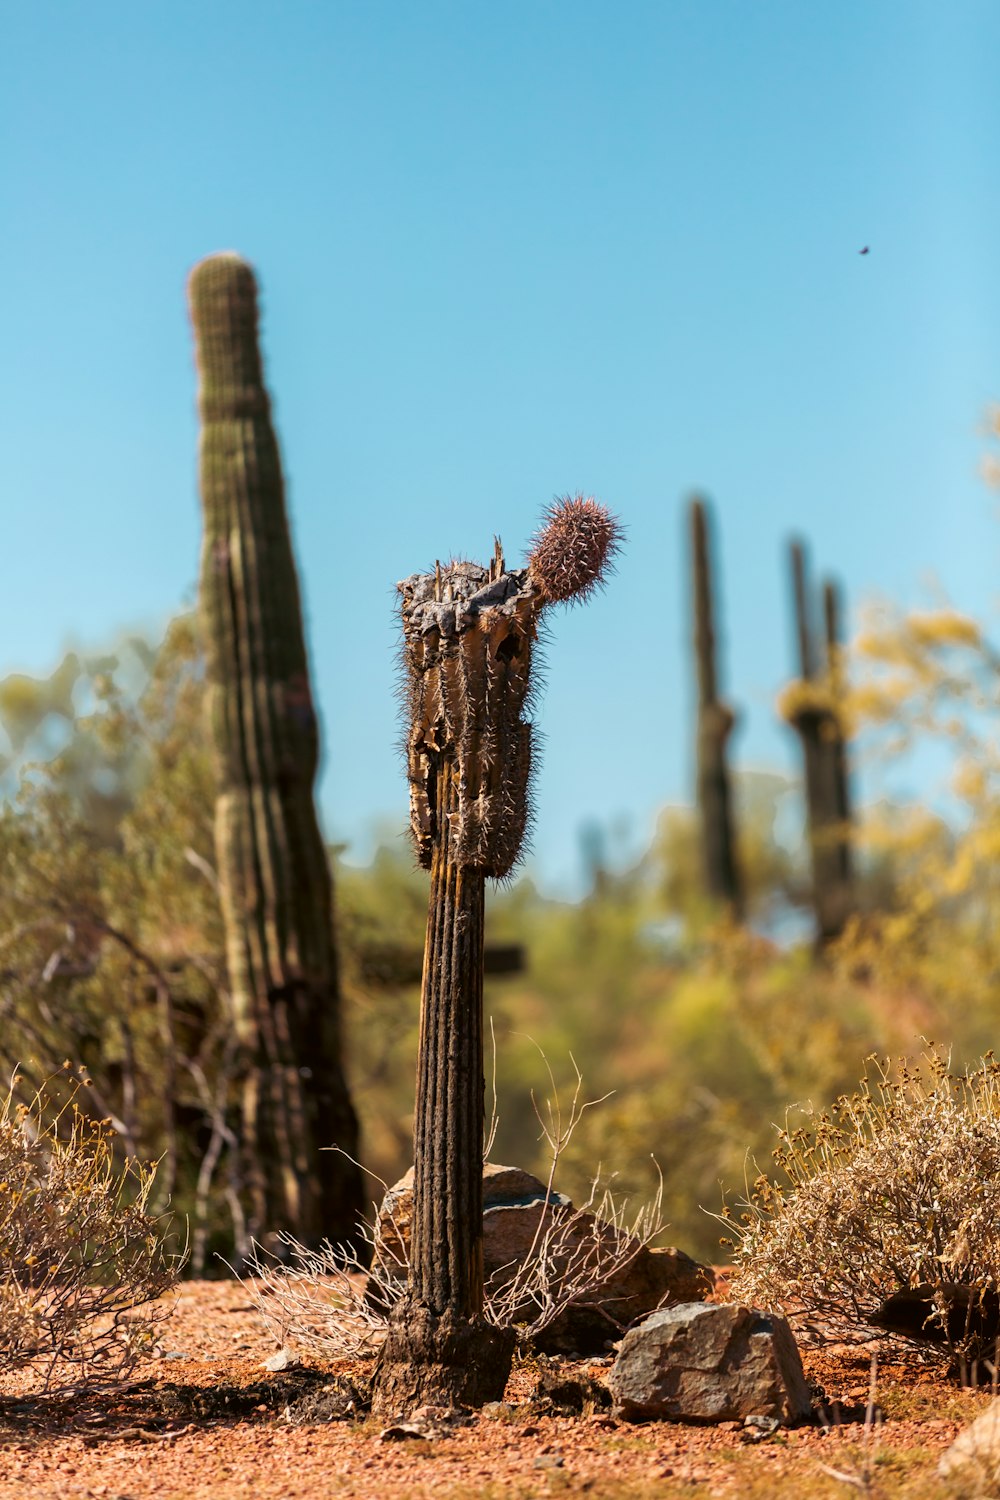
(204, 1418)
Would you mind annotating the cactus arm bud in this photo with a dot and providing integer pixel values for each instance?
(573, 550)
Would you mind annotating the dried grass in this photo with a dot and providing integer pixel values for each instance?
(896, 1190)
(80, 1257)
(324, 1302)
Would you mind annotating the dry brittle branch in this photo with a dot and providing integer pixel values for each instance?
(325, 1303)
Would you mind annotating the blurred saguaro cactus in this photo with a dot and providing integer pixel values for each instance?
(274, 876)
(840, 783)
(468, 638)
(814, 708)
(715, 724)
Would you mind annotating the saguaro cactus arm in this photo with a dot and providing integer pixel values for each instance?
(800, 597)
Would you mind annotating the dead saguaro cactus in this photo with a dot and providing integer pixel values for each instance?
(715, 724)
(813, 706)
(274, 877)
(468, 638)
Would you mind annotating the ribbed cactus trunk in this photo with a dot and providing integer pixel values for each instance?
(817, 721)
(715, 724)
(468, 634)
(440, 1350)
(448, 1199)
(274, 875)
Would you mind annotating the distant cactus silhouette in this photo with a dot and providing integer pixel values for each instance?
(813, 706)
(468, 637)
(715, 724)
(273, 871)
(840, 791)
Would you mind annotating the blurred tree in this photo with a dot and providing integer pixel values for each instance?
(110, 939)
(932, 679)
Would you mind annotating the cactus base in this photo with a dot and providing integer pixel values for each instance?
(440, 1359)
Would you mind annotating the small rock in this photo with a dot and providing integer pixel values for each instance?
(709, 1363)
(400, 1431)
(758, 1427)
(283, 1360)
(495, 1409)
(429, 1422)
(976, 1453)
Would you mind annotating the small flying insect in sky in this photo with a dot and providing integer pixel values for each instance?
(864, 251)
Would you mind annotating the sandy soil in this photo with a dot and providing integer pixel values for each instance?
(205, 1419)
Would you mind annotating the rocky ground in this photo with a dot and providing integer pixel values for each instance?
(204, 1418)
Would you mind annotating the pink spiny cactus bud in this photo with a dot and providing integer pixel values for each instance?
(573, 549)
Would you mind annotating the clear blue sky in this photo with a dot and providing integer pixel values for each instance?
(507, 251)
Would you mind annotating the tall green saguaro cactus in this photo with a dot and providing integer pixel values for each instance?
(814, 708)
(715, 725)
(468, 639)
(274, 876)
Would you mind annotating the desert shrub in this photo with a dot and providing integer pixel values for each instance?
(111, 938)
(81, 1259)
(891, 1199)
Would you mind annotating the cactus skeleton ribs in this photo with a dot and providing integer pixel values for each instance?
(468, 637)
(274, 874)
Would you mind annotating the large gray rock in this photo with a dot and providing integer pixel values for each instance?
(975, 1454)
(517, 1211)
(701, 1363)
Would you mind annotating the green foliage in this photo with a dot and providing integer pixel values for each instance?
(929, 679)
(381, 911)
(112, 952)
(701, 1050)
(774, 876)
(110, 935)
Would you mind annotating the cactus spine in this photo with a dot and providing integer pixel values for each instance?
(468, 636)
(274, 876)
(815, 712)
(715, 725)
